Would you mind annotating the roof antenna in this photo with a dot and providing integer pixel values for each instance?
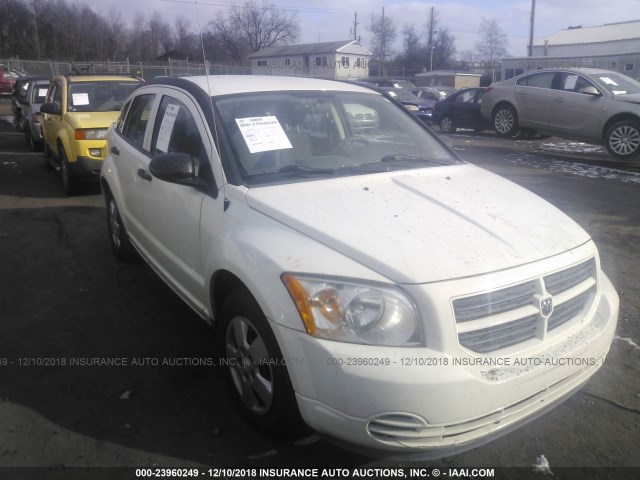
(213, 114)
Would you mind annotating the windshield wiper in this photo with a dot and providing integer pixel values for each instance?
(296, 168)
(302, 168)
(401, 157)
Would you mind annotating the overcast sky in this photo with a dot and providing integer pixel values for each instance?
(331, 20)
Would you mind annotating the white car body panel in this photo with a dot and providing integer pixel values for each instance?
(368, 217)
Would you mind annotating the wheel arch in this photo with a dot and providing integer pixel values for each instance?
(223, 282)
(618, 118)
(503, 103)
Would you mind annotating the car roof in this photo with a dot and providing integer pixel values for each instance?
(584, 70)
(100, 78)
(229, 84)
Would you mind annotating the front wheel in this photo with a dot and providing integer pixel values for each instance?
(623, 139)
(118, 236)
(69, 184)
(505, 121)
(255, 367)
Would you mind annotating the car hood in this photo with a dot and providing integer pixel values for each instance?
(424, 225)
(91, 119)
(629, 98)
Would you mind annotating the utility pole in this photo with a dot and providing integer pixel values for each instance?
(355, 26)
(431, 40)
(533, 14)
(382, 41)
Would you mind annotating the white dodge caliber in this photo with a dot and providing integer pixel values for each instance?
(363, 280)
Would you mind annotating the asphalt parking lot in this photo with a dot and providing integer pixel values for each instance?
(63, 296)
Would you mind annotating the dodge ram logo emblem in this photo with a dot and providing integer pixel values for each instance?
(546, 307)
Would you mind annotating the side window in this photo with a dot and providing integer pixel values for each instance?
(135, 123)
(466, 97)
(571, 82)
(538, 80)
(55, 94)
(176, 131)
(121, 117)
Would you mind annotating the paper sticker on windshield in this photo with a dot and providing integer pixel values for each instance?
(608, 81)
(80, 98)
(166, 127)
(263, 134)
(42, 92)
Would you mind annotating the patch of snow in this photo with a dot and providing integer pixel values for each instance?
(571, 147)
(627, 340)
(579, 169)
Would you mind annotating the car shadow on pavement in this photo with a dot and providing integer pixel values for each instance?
(108, 351)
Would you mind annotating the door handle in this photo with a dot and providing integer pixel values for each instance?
(142, 173)
(559, 99)
(115, 150)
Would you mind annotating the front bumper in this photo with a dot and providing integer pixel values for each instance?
(423, 403)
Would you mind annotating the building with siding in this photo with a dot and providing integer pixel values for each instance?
(614, 46)
(342, 60)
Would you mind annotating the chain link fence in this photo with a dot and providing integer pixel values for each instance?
(148, 71)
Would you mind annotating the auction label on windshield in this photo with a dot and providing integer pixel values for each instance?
(263, 134)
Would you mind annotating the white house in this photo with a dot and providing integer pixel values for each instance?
(342, 60)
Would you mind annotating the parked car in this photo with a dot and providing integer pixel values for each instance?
(585, 104)
(461, 110)
(30, 112)
(389, 82)
(419, 107)
(366, 282)
(76, 115)
(433, 93)
(7, 79)
(19, 98)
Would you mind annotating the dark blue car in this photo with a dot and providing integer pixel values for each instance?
(461, 110)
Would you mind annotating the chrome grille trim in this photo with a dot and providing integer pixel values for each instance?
(566, 279)
(501, 336)
(492, 303)
(501, 318)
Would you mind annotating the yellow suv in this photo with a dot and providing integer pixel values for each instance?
(77, 112)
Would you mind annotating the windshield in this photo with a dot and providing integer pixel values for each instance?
(104, 96)
(618, 84)
(280, 136)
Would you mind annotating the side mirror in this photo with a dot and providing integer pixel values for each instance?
(590, 90)
(51, 109)
(179, 168)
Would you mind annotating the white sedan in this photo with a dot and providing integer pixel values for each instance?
(363, 281)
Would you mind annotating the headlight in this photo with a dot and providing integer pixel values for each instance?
(349, 311)
(91, 134)
(411, 108)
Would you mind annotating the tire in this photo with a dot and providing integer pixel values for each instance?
(69, 184)
(623, 139)
(256, 372)
(47, 157)
(118, 236)
(447, 124)
(505, 121)
(33, 145)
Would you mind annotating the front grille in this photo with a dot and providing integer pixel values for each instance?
(508, 316)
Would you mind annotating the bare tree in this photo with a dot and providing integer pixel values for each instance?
(444, 48)
(264, 26)
(413, 50)
(384, 33)
(493, 41)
